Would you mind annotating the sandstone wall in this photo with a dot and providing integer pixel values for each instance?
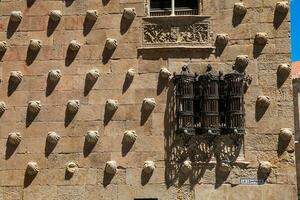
(155, 138)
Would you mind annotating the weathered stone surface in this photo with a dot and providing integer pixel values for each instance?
(74, 45)
(149, 103)
(111, 44)
(73, 105)
(16, 76)
(261, 38)
(34, 106)
(112, 105)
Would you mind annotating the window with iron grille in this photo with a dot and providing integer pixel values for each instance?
(174, 7)
(211, 103)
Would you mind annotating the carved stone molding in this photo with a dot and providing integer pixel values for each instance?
(187, 31)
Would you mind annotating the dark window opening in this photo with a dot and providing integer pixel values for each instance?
(182, 7)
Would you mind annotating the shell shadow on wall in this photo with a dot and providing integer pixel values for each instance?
(109, 48)
(72, 52)
(264, 170)
(71, 110)
(128, 140)
(90, 80)
(163, 80)
(3, 48)
(109, 172)
(283, 73)
(281, 11)
(261, 106)
(71, 168)
(239, 12)
(111, 107)
(14, 21)
(33, 50)
(260, 41)
(2, 108)
(14, 81)
(51, 142)
(128, 79)
(53, 21)
(89, 21)
(221, 42)
(284, 139)
(30, 173)
(52, 80)
(147, 108)
(13, 141)
(127, 18)
(91, 139)
(147, 171)
(33, 110)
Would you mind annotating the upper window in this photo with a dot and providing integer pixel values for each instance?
(173, 7)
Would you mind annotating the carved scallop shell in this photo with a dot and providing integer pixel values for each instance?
(54, 75)
(93, 75)
(14, 138)
(112, 105)
(129, 13)
(34, 106)
(265, 167)
(149, 166)
(282, 7)
(286, 134)
(263, 101)
(16, 77)
(53, 138)
(111, 167)
(92, 15)
(130, 136)
(241, 62)
(74, 45)
(222, 39)
(71, 167)
(240, 9)
(130, 74)
(16, 16)
(55, 15)
(111, 44)
(165, 73)
(73, 105)
(149, 103)
(261, 38)
(284, 70)
(92, 137)
(3, 46)
(2, 107)
(32, 168)
(35, 44)
(186, 167)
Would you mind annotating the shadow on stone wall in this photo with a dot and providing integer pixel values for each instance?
(205, 152)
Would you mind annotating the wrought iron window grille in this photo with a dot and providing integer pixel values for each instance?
(211, 104)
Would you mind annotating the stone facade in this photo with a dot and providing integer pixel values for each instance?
(77, 41)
